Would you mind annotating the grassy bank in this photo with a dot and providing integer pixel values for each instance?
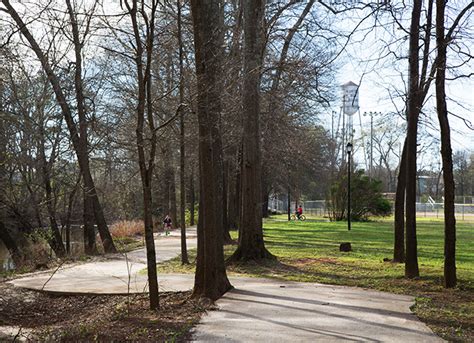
(309, 251)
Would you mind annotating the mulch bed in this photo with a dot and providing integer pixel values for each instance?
(98, 318)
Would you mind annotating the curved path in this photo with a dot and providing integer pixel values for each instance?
(257, 310)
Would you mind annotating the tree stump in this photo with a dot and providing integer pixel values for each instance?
(345, 247)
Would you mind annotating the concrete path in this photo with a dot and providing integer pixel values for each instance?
(270, 311)
(257, 310)
(119, 274)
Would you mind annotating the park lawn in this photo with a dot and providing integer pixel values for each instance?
(309, 252)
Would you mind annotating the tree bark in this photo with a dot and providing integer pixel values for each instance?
(182, 156)
(251, 244)
(446, 151)
(90, 247)
(399, 225)
(413, 109)
(146, 159)
(210, 279)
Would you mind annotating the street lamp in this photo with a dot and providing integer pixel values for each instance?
(349, 151)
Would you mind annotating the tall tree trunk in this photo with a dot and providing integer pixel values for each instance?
(446, 152)
(399, 225)
(413, 109)
(182, 156)
(210, 279)
(251, 244)
(79, 148)
(146, 147)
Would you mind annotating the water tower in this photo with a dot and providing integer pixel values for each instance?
(350, 106)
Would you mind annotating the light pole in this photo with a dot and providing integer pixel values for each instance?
(349, 151)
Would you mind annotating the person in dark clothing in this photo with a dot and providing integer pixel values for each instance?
(167, 222)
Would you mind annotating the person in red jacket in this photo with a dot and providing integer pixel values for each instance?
(299, 211)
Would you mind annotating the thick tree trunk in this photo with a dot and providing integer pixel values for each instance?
(413, 110)
(251, 244)
(210, 279)
(399, 225)
(446, 152)
(182, 176)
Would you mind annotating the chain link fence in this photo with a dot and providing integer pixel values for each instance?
(318, 208)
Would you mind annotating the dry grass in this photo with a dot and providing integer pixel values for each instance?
(127, 228)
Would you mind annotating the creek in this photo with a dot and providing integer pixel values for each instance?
(6, 262)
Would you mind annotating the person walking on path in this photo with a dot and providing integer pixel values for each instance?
(167, 224)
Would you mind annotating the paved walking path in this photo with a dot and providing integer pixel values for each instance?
(119, 274)
(257, 310)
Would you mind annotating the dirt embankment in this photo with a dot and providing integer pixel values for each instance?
(34, 315)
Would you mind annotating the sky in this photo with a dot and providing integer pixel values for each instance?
(360, 63)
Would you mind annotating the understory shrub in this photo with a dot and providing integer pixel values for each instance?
(366, 198)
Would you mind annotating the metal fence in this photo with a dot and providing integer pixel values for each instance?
(318, 208)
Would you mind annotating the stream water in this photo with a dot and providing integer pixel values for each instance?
(77, 248)
(6, 262)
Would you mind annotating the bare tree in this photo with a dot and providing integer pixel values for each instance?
(77, 136)
(211, 279)
(442, 41)
(142, 13)
(413, 110)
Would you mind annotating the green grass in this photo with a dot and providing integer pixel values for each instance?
(309, 251)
